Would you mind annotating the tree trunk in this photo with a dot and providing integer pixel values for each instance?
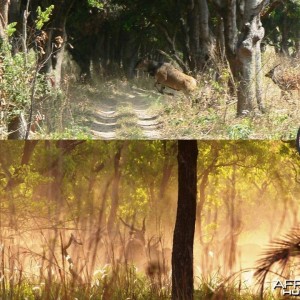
(114, 195)
(57, 39)
(202, 200)
(14, 11)
(241, 48)
(28, 151)
(247, 57)
(285, 34)
(297, 45)
(183, 240)
(205, 50)
(220, 40)
(16, 127)
(194, 33)
(129, 54)
(170, 150)
(259, 78)
(4, 4)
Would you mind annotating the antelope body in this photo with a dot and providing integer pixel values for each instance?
(286, 81)
(167, 76)
(146, 256)
(135, 251)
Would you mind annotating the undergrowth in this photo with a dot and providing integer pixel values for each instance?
(115, 108)
(212, 114)
(123, 284)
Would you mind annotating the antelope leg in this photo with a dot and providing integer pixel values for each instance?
(161, 89)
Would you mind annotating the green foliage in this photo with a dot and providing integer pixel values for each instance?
(239, 131)
(96, 3)
(282, 25)
(11, 29)
(206, 291)
(16, 83)
(43, 16)
(73, 132)
(119, 284)
(138, 204)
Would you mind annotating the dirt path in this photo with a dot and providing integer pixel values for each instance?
(125, 113)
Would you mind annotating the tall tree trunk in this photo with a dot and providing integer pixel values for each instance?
(297, 45)
(14, 11)
(129, 54)
(183, 240)
(220, 40)
(205, 50)
(170, 150)
(241, 48)
(234, 217)
(57, 39)
(259, 78)
(199, 34)
(247, 56)
(28, 151)
(285, 33)
(114, 194)
(4, 4)
(194, 33)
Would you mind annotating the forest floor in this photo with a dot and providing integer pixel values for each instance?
(120, 109)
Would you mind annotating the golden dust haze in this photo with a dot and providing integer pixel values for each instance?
(77, 197)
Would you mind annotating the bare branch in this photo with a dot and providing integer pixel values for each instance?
(127, 225)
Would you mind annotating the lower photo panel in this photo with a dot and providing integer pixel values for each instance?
(149, 219)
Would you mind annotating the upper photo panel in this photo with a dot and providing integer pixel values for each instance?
(119, 69)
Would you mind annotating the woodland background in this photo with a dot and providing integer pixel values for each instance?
(80, 80)
(247, 196)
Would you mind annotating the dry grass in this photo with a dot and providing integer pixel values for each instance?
(38, 270)
(122, 109)
(39, 265)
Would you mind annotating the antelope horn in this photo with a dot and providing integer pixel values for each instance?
(127, 225)
(276, 66)
(155, 244)
(271, 72)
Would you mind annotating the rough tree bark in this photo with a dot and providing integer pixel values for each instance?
(183, 240)
(243, 31)
(247, 75)
(200, 35)
(206, 38)
(194, 34)
(16, 126)
(4, 5)
(57, 39)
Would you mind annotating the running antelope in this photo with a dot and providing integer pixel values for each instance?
(286, 81)
(167, 76)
